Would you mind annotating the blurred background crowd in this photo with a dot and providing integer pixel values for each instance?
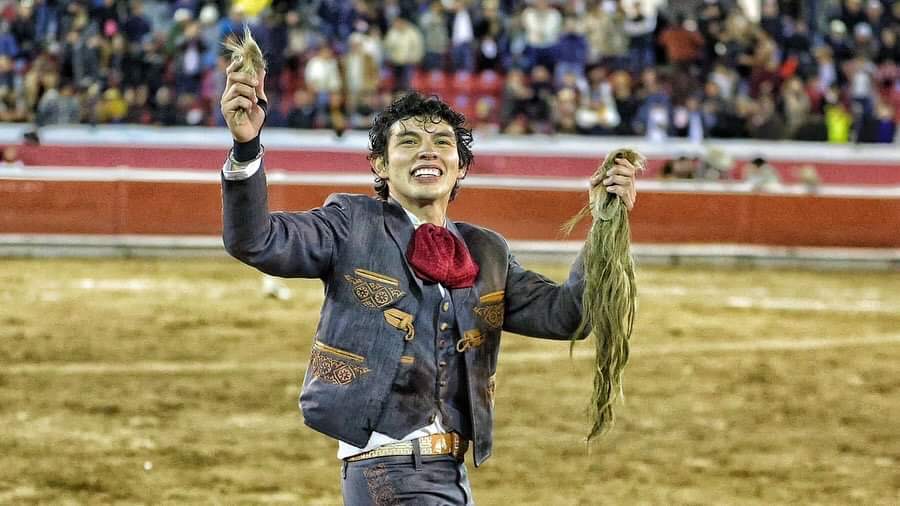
(797, 69)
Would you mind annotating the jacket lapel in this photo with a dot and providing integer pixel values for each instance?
(464, 299)
(400, 229)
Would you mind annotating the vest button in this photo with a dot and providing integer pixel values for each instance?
(442, 363)
(445, 307)
(444, 326)
(442, 343)
(443, 383)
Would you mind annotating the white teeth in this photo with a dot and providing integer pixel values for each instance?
(426, 171)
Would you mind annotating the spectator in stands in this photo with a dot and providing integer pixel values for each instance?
(209, 34)
(882, 127)
(889, 50)
(112, 108)
(433, 23)
(234, 23)
(7, 72)
(190, 50)
(539, 107)
(22, 28)
(687, 120)
(492, 39)
(336, 19)
(640, 24)
(838, 42)
(543, 25)
(606, 35)
(12, 106)
(136, 26)
(403, 46)
(165, 112)
(462, 38)
(571, 52)
(627, 104)
(838, 119)
(322, 76)
(683, 45)
(303, 110)
(796, 105)
(58, 106)
(564, 111)
(850, 13)
(9, 48)
(360, 72)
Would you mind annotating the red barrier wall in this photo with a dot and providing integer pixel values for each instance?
(163, 208)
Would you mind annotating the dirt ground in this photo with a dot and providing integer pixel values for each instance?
(175, 381)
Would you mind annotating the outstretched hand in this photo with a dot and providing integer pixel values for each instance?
(243, 92)
(619, 180)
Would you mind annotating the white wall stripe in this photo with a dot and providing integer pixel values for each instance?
(486, 182)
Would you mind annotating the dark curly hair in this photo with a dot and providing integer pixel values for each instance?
(413, 105)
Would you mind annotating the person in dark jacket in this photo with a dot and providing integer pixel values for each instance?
(402, 367)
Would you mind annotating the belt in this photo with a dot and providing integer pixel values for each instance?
(434, 444)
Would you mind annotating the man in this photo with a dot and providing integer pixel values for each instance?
(403, 361)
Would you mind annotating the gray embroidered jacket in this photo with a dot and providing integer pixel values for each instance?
(356, 245)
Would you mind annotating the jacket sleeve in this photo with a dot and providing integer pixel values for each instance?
(538, 307)
(287, 244)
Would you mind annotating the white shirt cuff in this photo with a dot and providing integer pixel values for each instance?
(234, 170)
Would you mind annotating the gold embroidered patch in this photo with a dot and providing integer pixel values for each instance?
(490, 308)
(335, 366)
(402, 321)
(471, 339)
(374, 290)
(492, 314)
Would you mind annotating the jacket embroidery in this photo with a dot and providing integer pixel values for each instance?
(335, 366)
(491, 308)
(491, 387)
(374, 290)
(401, 321)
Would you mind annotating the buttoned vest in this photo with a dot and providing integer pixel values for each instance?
(431, 378)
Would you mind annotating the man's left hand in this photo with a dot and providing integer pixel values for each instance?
(619, 180)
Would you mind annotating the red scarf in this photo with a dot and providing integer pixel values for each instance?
(438, 256)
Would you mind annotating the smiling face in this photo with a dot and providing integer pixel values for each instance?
(421, 165)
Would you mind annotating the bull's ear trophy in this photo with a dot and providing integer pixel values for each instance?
(610, 297)
(247, 52)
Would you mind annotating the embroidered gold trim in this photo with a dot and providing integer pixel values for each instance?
(491, 388)
(407, 360)
(471, 339)
(402, 321)
(335, 351)
(492, 298)
(374, 294)
(374, 276)
(492, 314)
(333, 370)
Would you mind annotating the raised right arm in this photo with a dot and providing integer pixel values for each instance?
(281, 244)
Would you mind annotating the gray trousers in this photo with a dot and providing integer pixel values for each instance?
(438, 480)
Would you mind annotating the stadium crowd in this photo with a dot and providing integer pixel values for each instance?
(694, 68)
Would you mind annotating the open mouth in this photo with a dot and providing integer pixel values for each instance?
(427, 173)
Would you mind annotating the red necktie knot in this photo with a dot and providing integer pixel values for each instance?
(438, 256)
